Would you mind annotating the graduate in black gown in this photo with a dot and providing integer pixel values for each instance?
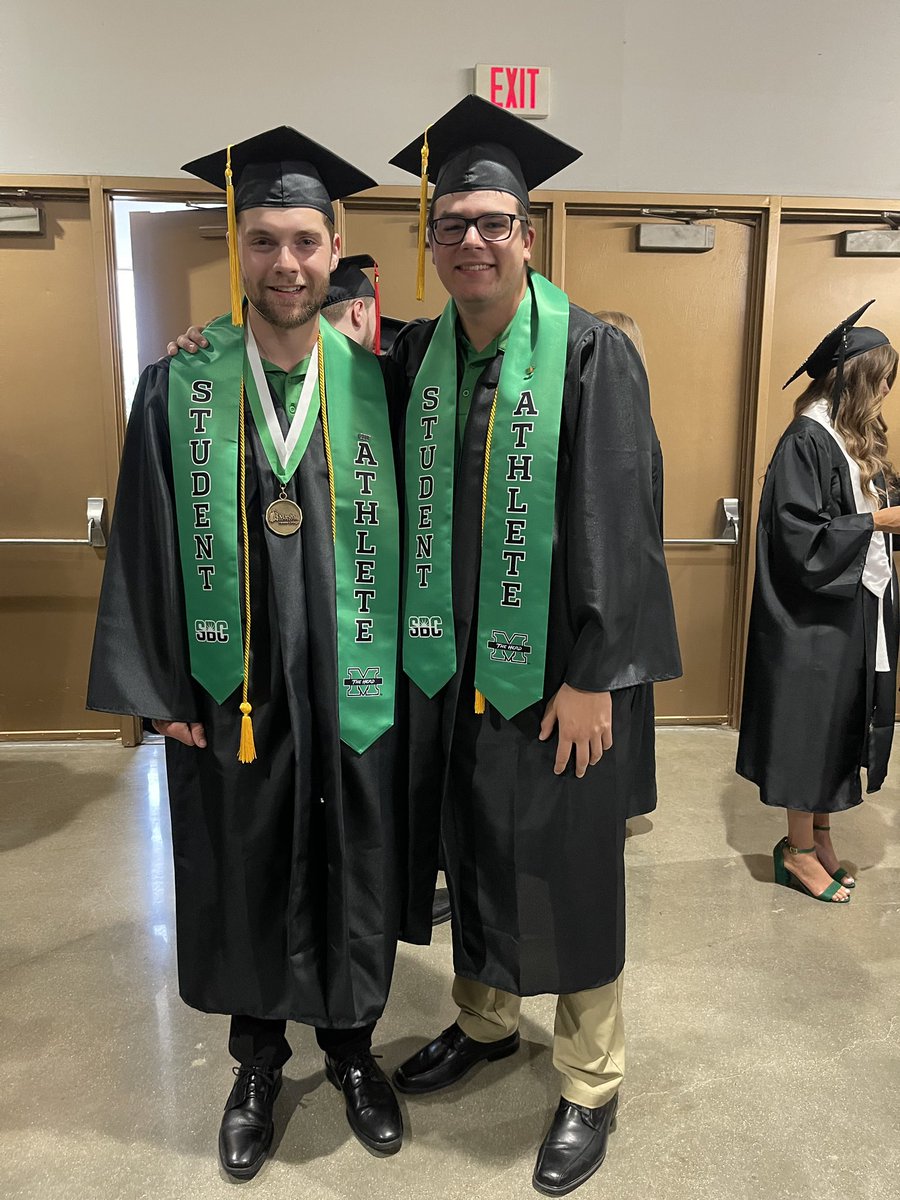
(241, 478)
(537, 604)
(821, 676)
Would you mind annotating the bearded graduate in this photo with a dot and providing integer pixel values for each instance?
(249, 607)
(536, 602)
(820, 684)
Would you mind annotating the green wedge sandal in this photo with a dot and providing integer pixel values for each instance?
(840, 873)
(786, 879)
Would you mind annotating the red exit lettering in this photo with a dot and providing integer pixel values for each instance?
(514, 87)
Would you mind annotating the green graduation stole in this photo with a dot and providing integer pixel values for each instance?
(518, 505)
(204, 419)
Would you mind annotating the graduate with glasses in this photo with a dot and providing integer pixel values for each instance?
(536, 603)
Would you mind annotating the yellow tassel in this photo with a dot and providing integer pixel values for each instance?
(234, 263)
(479, 702)
(423, 213)
(247, 752)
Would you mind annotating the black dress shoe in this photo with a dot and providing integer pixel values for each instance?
(245, 1134)
(372, 1109)
(574, 1148)
(448, 1058)
(440, 907)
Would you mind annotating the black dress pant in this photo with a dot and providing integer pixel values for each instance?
(257, 1042)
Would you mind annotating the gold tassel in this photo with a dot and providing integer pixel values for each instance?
(479, 703)
(423, 213)
(247, 752)
(247, 748)
(234, 263)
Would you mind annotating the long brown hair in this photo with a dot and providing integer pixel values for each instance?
(859, 418)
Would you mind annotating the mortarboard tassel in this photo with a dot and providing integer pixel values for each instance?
(423, 211)
(377, 312)
(479, 703)
(234, 266)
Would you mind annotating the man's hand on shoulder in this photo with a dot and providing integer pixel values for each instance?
(190, 733)
(192, 341)
(585, 724)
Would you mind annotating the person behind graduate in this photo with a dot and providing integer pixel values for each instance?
(249, 607)
(821, 676)
(536, 605)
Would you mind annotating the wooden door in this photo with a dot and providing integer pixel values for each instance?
(60, 439)
(693, 310)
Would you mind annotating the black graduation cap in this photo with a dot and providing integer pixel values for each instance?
(476, 147)
(349, 283)
(845, 341)
(282, 168)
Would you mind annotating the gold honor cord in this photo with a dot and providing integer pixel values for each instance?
(247, 750)
(479, 697)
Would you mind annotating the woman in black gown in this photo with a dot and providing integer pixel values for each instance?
(820, 684)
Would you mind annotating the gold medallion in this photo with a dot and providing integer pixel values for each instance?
(284, 517)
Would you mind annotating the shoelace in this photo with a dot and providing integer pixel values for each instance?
(361, 1061)
(256, 1081)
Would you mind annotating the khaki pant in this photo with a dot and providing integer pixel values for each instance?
(588, 1037)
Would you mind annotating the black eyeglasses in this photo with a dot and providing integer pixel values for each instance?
(492, 227)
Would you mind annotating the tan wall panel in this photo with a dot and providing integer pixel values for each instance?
(54, 457)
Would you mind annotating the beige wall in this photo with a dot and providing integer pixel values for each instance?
(782, 96)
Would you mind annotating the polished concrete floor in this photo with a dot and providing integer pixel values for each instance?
(763, 1029)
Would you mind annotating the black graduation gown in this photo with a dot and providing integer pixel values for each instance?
(534, 861)
(815, 710)
(641, 798)
(287, 871)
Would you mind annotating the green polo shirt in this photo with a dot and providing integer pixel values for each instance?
(473, 363)
(287, 385)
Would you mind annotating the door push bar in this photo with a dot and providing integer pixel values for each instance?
(97, 530)
(731, 532)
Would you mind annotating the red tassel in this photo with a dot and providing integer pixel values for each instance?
(377, 313)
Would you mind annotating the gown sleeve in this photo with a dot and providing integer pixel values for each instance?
(620, 600)
(809, 546)
(140, 659)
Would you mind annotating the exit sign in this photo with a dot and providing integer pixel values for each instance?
(524, 91)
